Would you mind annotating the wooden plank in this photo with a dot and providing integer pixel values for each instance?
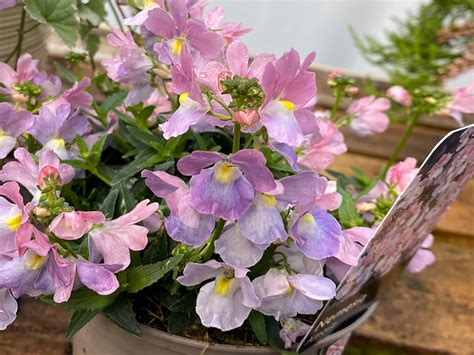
(419, 144)
(38, 329)
(458, 219)
(429, 313)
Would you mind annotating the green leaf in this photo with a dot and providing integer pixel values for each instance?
(145, 159)
(128, 199)
(96, 150)
(122, 314)
(273, 333)
(179, 321)
(81, 144)
(257, 323)
(79, 164)
(66, 74)
(347, 212)
(78, 320)
(113, 101)
(145, 275)
(145, 114)
(84, 299)
(108, 205)
(60, 14)
(90, 39)
(93, 11)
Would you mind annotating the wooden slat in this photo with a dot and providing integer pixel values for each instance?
(428, 313)
(457, 221)
(419, 144)
(38, 329)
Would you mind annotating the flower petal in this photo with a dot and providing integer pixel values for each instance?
(194, 273)
(252, 163)
(193, 164)
(236, 250)
(226, 195)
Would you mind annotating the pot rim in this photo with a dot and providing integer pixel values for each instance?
(153, 334)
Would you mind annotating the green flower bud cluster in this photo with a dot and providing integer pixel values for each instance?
(429, 100)
(76, 58)
(27, 89)
(247, 94)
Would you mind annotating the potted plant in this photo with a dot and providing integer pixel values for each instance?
(191, 203)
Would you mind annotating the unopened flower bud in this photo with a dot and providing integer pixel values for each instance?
(246, 117)
(431, 100)
(331, 78)
(41, 212)
(351, 90)
(47, 176)
(223, 75)
(17, 97)
(399, 94)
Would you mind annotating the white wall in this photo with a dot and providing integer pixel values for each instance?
(317, 25)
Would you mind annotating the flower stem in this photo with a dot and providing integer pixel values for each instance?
(336, 104)
(21, 32)
(396, 152)
(236, 141)
(116, 15)
(95, 172)
(209, 248)
(222, 103)
(20, 36)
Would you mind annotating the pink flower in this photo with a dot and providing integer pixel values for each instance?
(401, 174)
(462, 102)
(324, 146)
(48, 172)
(27, 68)
(368, 115)
(214, 20)
(246, 117)
(5, 4)
(26, 172)
(423, 257)
(73, 225)
(289, 87)
(113, 239)
(399, 94)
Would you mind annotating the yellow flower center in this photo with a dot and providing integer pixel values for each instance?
(148, 3)
(224, 173)
(269, 200)
(290, 106)
(289, 290)
(177, 46)
(13, 223)
(2, 133)
(308, 218)
(34, 261)
(223, 285)
(58, 143)
(183, 97)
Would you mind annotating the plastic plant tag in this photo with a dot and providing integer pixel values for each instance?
(413, 216)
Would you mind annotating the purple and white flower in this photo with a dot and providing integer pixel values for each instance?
(184, 224)
(284, 295)
(176, 29)
(12, 125)
(226, 189)
(289, 87)
(226, 302)
(26, 172)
